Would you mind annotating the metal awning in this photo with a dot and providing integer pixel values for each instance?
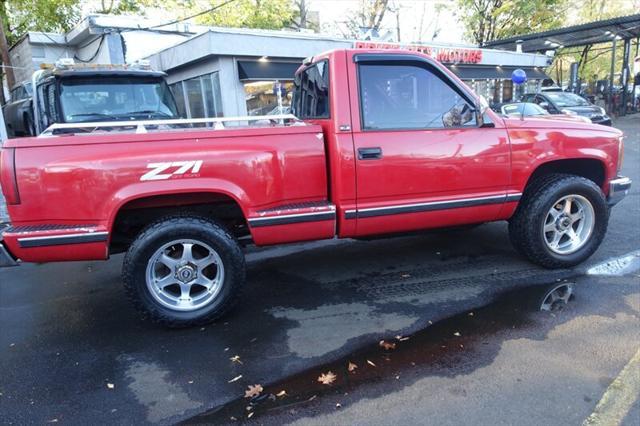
(492, 72)
(267, 70)
(624, 27)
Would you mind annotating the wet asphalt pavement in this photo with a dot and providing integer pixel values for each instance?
(72, 349)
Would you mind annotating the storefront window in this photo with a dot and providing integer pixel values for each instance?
(203, 97)
(268, 97)
(178, 95)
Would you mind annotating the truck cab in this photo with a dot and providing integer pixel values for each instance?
(77, 93)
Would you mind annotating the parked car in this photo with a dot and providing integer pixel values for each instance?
(18, 114)
(568, 103)
(390, 141)
(528, 109)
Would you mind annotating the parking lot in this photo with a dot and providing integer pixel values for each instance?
(442, 326)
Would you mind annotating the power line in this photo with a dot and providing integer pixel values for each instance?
(188, 17)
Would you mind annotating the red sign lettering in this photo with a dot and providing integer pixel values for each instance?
(445, 55)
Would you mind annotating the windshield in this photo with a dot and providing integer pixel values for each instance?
(115, 98)
(566, 99)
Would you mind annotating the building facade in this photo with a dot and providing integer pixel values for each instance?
(229, 72)
(237, 72)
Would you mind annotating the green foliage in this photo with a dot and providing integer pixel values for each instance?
(20, 16)
(266, 14)
(119, 7)
(595, 63)
(487, 20)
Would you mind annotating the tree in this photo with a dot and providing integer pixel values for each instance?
(266, 14)
(487, 20)
(19, 16)
(301, 16)
(367, 18)
(119, 7)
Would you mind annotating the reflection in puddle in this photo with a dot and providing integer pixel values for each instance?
(440, 345)
(316, 330)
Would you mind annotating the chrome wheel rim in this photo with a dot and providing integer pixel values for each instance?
(569, 224)
(185, 275)
(556, 297)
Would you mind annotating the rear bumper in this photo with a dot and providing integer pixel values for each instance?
(51, 243)
(618, 189)
(6, 259)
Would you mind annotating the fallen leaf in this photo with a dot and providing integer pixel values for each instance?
(312, 398)
(249, 415)
(253, 340)
(327, 378)
(235, 379)
(405, 275)
(401, 338)
(281, 393)
(338, 405)
(457, 333)
(232, 418)
(470, 314)
(190, 382)
(387, 345)
(226, 349)
(110, 386)
(252, 391)
(370, 363)
(52, 421)
(236, 358)
(351, 367)
(430, 322)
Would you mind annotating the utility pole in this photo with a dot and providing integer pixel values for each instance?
(4, 54)
(613, 70)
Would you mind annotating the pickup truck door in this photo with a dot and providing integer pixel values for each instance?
(423, 161)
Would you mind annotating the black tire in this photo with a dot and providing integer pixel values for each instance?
(526, 225)
(165, 231)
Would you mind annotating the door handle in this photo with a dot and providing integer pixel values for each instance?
(369, 153)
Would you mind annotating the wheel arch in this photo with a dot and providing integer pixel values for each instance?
(134, 213)
(593, 169)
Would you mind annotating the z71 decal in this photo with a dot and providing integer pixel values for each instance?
(175, 169)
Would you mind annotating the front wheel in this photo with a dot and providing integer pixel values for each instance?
(184, 271)
(560, 221)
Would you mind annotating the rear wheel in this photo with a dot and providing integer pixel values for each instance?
(560, 221)
(184, 271)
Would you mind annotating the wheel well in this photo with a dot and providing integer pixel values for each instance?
(588, 168)
(137, 214)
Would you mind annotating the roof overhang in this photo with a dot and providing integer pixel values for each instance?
(623, 27)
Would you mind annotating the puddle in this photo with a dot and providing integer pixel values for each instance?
(152, 388)
(618, 266)
(440, 345)
(316, 329)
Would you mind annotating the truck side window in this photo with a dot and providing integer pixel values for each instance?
(409, 97)
(311, 95)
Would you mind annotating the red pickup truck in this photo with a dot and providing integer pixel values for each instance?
(390, 142)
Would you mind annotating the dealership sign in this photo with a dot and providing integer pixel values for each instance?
(442, 54)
